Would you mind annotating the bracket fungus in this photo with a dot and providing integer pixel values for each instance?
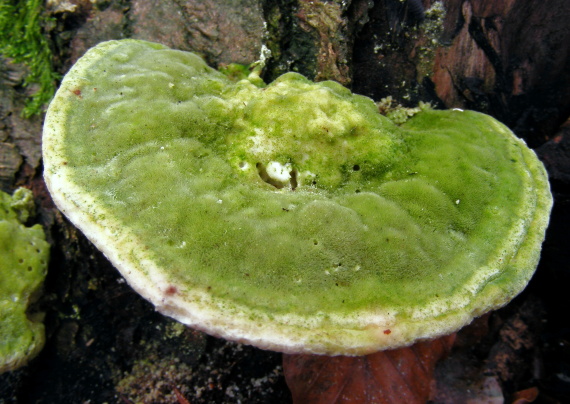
(291, 216)
(24, 255)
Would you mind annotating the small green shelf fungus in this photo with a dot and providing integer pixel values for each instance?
(23, 264)
(291, 216)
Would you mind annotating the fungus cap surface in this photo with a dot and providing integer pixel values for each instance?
(293, 216)
(24, 257)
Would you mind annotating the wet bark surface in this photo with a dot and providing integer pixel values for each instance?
(509, 59)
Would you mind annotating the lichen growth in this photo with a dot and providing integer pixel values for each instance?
(324, 21)
(397, 113)
(23, 40)
(23, 264)
(428, 34)
(410, 44)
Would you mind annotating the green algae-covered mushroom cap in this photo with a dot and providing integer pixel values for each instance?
(293, 216)
(24, 256)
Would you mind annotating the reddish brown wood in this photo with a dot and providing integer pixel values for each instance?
(394, 376)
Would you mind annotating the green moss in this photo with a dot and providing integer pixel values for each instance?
(22, 39)
(23, 264)
(296, 210)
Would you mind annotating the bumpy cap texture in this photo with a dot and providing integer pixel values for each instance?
(291, 216)
(24, 255)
